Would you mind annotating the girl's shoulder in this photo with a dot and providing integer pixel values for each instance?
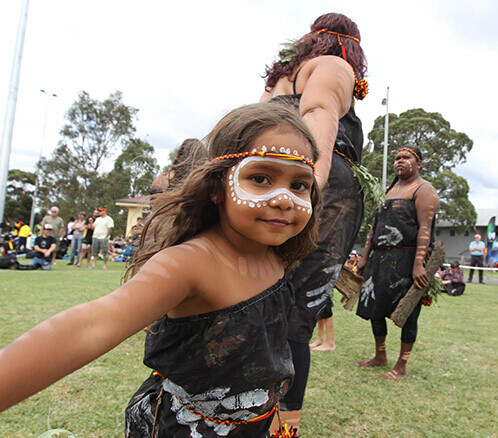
(196, 250)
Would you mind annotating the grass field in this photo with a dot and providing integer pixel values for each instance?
(451, 390)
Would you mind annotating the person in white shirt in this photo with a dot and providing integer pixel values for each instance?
(476, 249)
(102, 228)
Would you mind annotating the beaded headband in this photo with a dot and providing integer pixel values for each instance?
(339, 35)
(360, 87)
(411, 151)
(282, 156)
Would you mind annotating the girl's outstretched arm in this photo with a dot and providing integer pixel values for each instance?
(77, 336)
(326, 97)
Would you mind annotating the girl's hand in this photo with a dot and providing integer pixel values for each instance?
(419, 275)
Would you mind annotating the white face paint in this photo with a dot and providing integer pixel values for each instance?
(242, 195)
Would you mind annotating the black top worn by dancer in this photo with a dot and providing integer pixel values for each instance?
(193, 392)
(315, 277)
(340, 220)
(388, 274)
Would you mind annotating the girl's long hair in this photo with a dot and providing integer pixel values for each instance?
(315, 44)
(188, 210)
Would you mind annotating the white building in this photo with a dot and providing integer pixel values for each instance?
(456, 245)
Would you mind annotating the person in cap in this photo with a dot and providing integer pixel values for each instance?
(45, 246)
(102, 228)
(394, 256)
(57, 228)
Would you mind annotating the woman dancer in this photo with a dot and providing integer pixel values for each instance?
(400, 237)
(319, 74)
(210, 271)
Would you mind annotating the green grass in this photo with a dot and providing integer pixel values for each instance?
(451, 389)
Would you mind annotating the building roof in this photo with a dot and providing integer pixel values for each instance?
(138, 200)
(483, 217)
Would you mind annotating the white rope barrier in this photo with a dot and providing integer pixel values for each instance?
(474, 267)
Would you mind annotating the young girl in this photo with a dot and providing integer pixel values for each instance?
(210, 271)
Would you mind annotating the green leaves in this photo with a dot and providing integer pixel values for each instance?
(372, 189)
(287, 52)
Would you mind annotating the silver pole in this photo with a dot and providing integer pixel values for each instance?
(37, 181)
(10, 111)
(386, 134)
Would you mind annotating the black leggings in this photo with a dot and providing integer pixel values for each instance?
(293, 400)
(409, 330)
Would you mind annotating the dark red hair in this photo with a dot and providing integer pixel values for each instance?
(315, 44)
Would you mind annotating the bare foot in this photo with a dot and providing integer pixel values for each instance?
(394, 375)
(325, 347)
(104, 267)
(316, 343)
(374, 362)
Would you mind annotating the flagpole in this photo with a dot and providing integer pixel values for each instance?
(10, 112)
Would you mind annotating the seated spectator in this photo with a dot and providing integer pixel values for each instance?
(118, 244)
(23, 234)
(352, 261)
(44, 246)
(453, 280)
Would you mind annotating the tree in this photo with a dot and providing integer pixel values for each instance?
(136, 167)
(20, 190)
(442, 149)
(73, 177)
(94, 129)
(455, 206)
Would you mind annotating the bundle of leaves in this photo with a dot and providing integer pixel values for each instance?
(370, 185)
(432, 292)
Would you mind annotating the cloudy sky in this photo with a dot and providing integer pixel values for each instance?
(183, 64)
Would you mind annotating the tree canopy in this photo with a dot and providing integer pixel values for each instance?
(20, 190)
(96, 132)
(442, 149)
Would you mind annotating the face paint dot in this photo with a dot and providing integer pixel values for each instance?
(239, 201)
(309, 210)
(273, 148)
(264, 204)
(258, 205)
(230, 183)
(263, 148)
(299, 208)
(244, 203)
(295, 152)
(230, 176)
(254, 150)
(233, 168)
(251, 204)
(279, 198)
(286, 197)
(287, 150)
(282, 150)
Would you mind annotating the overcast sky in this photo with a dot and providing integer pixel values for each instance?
(183, 64)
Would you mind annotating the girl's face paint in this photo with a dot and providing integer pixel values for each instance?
(251, 185)
(269, 199)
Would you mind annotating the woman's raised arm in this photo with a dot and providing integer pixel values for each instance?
(326, 97)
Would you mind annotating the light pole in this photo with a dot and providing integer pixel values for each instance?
(35, 194)
(10, 111)
(386, 134)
